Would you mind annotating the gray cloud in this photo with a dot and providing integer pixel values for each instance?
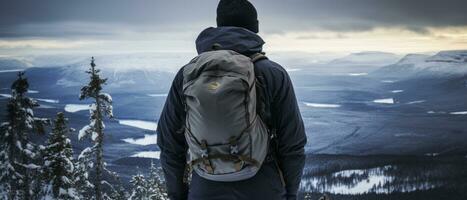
(86, 18)
(360, 15)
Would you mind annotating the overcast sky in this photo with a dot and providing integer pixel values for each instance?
(114, 26)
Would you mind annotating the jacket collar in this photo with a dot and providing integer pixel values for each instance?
(237, 39)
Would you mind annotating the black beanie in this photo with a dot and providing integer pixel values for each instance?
(239, 13)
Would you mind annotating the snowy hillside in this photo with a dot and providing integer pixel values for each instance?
(442, 63)
(142, 72)
(122, 62)
(68, 78)
(459, 56)
(367, 58)
(412, 58)
(12, 63)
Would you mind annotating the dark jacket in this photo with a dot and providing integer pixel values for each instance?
(285, 115)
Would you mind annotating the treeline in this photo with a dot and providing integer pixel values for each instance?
(30, 171)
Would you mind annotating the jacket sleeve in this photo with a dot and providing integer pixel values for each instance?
(290, 132)
(171, 141)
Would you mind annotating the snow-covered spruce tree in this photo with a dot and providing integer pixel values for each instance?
(156, 186)
(100, 108)
(140, 188)
(17, 153)
(58, 166)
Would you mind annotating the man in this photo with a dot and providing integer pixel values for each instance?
(280, 173)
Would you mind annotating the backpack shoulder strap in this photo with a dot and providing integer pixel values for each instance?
(257, 57)
(263, 100)
(263, 107)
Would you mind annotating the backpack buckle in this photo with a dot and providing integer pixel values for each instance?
(234, 150)
(204, 149)
(233, 145)
(204, 153)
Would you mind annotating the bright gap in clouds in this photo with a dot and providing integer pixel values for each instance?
(395, 40)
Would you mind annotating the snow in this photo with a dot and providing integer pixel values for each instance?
(68, 83)
(32, 166)
(444, 62)
(5, 95)
(293, 69)
(322, 105)
(18, 144)
(412, 58)
(65, 179)
(384, 101)
(92, 108)
(362, 186)
(83, 153)
(459, 113)
(388, 81)
(367, 58)
(94, 136)
(33, 91)
(83, 132)
(363, 181)
(158, 95)
(397, 91)
(358, 74)
(375, 177)
(106, 96)
(148, 154)
(147, 125)
(49, 100)
(146, 140)
(436, 112)
(416, 102)
(349, 173)
(72, 108)
(408, 135)
(62, 191)
(11, 70)
(456, 56)
(45, 106)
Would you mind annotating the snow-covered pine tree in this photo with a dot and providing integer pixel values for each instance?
(119, 192)
(58, 166)
(140, 188)
(17, 153)
(100, 108)
(156, 186)
(83, 166)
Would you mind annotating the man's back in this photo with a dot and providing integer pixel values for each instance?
(285, 115)
(280, 174)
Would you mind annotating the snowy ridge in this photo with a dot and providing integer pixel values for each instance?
(14, 63)
(459, 56)
(442, 63)
(367, 58)
(412, 58)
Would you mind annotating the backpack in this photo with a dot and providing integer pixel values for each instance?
(227, 139)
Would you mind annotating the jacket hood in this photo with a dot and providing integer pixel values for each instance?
(237, 39)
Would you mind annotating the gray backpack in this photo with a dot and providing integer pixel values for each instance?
(227, 139)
